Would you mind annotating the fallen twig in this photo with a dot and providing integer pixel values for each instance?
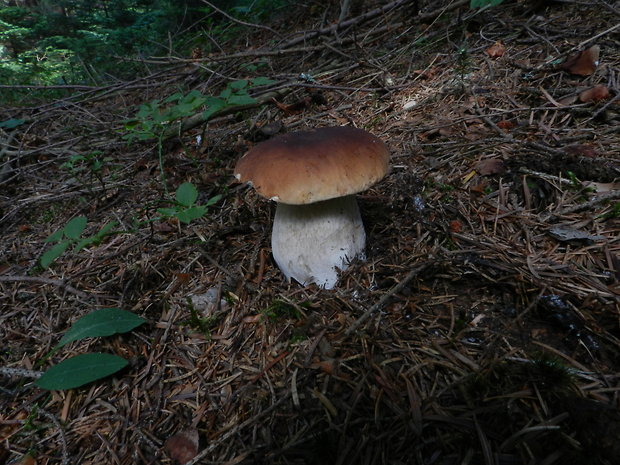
(40, 280)
(384, 299)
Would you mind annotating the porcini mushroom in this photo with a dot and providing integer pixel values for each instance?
(313, 175)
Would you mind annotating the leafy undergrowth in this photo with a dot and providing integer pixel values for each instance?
(482, 326)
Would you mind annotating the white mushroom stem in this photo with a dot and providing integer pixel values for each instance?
(309, 242)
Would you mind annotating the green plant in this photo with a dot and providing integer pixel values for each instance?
(280, 309)
(463, 65)
(85, 368)
(185, 209)
(90, 164)
(90, 161)
(70, 235)
(484, 3)
(11, 123)
(577, 185)
(155, 117)
(613, 213)
(204, 325)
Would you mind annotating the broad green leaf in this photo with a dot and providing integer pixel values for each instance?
(186, 194)
(104, 322)
(55, 237)
(214, 104)
(132, 124)
(213, 200)
(174, 97)
(75, 227)
(209, 112)
(105, 230)
(84, 243)
(11, 123)
(238, 85)
(226, 93)
(262, 81)
(52, 254)
(241, 100)
(189, 214)
(168, 211)
(79, 370)
(193, 94)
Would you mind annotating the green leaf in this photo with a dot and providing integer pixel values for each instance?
(52, 254)
(174, 97)
(104, 322)
(214, 108)
(75, 227)
(84, 243)
(132, 124)
(213, 200)
(11, 123)
(262, 81)
(105, 230)
(186, 194)
(241, 100)
(55, 237)
(189, 214)
(79, 370)
(238, 85)
(168, 211)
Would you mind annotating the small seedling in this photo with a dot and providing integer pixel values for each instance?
(577, 185)
(186, 209)
(85, 368)
(70, 235)
(203, 325)
(613, 213)
(90, 161)
(280, 309)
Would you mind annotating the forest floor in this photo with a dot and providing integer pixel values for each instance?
(483, 325)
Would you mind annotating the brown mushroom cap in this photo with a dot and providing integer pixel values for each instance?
(309, 166)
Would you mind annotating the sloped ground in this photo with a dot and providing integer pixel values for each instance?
(483, 326)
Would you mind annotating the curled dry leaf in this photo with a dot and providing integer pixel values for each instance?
(183, 446)
(496, 50)
(505, 124)
(567, 233)
(581, 150)
(583, 63)
(595, 94)
(456, 226)
(602, 187)
(490, 166)
(25, 460)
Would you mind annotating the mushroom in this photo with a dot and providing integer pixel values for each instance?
(313, 176)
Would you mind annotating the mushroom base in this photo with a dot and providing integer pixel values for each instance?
(309, 242)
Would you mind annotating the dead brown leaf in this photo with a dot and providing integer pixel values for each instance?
(293, 108)
(595, 94)
(496, 50)
(602, 187)
(490, 166)
(505, 124)
(581, 150)
(583, 63)
(183, 446)
(456, 226)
